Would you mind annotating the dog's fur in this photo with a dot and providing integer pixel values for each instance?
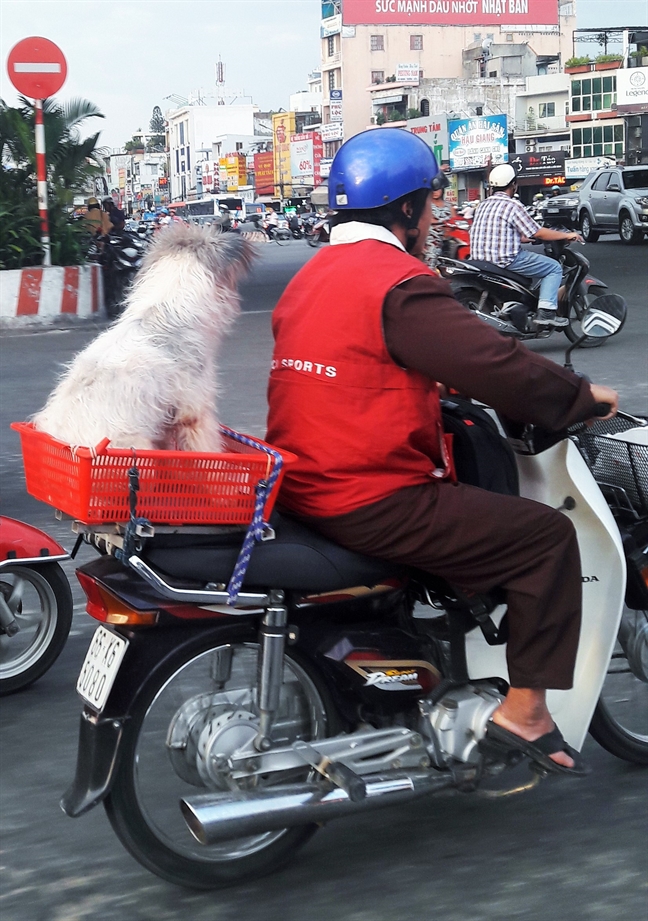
(149, 380)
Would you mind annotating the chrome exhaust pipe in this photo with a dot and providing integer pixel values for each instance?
(215, 817)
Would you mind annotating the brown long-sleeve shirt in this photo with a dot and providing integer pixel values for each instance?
(426, 330)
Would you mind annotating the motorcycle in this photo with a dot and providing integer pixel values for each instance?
(35, 604)
(456, 240)
(122, 256)
(318, 231)
(221, 729)
(509, 301)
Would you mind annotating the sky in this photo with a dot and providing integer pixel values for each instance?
(126, 56)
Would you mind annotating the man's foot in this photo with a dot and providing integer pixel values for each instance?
(549, 751)
(546, 317)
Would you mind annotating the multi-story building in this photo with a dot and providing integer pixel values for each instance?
(191, 131)
(376, 54)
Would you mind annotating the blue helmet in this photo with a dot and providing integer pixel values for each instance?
(379, 166)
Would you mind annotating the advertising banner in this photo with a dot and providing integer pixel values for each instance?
(476, 142)
(529, 165)
(335, 105)
(632, 87)
(264, 173)
(283, 125)
(305, 158)
(408, 73)
(433, 129)
(222, 174)
(210, 177)
(579, 167)
(236, 167)
(450, 12)
(332, 132)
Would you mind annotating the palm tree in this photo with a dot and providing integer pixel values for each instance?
(71, 163)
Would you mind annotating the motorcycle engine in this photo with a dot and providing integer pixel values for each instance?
(459, 720)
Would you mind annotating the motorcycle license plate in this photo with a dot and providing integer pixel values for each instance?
(100, 667)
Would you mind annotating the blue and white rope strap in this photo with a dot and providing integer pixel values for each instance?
(257, 526)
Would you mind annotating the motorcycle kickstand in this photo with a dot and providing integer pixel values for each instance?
(270, 666)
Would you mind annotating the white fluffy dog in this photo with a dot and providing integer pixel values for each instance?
(149, 380)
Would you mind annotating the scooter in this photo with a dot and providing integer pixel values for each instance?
(318, 232)
(221, 727)
(456, 238)
(509, 301)
(122, 257)
(35, 604)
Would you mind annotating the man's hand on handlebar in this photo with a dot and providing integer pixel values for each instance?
(574, 238)
(607, 397)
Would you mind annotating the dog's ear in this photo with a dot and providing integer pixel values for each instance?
(235, 256)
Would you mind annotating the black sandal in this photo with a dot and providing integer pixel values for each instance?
(539, 750)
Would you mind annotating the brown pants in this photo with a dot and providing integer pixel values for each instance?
(478, 540)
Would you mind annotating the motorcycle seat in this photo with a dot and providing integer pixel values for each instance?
(504, 272)
(298, 559)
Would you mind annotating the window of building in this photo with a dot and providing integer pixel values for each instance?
(182, 166)
(491, 36)
(188, 159)
(597, 141)
(239, 145)
(425, 107)
(476, 36)
(377, 76)
(416, 43)
(331, 79)
(492, 73)
(593, 94)
(546, 109)
(377, 42)
(177, 161)
(182, 133)
(331, 45)
(509, 36)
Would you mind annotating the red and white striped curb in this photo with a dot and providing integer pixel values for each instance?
(51, 292)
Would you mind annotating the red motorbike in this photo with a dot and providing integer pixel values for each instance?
(456, 242)
(35, 604)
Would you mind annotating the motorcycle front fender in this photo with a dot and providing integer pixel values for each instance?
(21, 543)
(591, 282)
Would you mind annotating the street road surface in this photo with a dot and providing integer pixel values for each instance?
(573, 850)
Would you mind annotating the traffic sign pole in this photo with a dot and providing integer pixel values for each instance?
(37, 68)
(41, 177)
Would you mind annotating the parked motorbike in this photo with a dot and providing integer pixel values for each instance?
(122, 256)
(509, 301)
(35, 604)
(220, 736)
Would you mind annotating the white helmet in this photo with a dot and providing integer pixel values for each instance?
(501, 176)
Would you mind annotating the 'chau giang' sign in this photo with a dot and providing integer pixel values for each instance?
(450, 12)
(476, 142)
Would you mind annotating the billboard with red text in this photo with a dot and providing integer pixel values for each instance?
(450, 12)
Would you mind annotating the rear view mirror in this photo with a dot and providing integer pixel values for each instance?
(614, 188)
(604, 317)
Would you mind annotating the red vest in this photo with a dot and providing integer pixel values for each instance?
(362, 427)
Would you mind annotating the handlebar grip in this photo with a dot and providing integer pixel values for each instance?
(601, 409)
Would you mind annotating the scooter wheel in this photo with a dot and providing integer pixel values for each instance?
(41, 602)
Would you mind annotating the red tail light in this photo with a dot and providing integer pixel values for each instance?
(106, 607)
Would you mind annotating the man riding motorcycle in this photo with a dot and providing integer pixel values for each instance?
(363, 334)
(500, 227)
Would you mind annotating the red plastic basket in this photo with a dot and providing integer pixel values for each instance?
(176, 487)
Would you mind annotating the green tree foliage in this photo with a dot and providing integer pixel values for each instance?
(71, 163)
(157, 125)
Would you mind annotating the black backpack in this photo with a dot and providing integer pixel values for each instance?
(482, 456)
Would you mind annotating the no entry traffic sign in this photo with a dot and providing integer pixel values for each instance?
(37, 67)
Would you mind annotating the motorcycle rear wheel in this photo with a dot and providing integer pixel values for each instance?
(197, 692)
(470, 298)
(41, 601)
(620, 721)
